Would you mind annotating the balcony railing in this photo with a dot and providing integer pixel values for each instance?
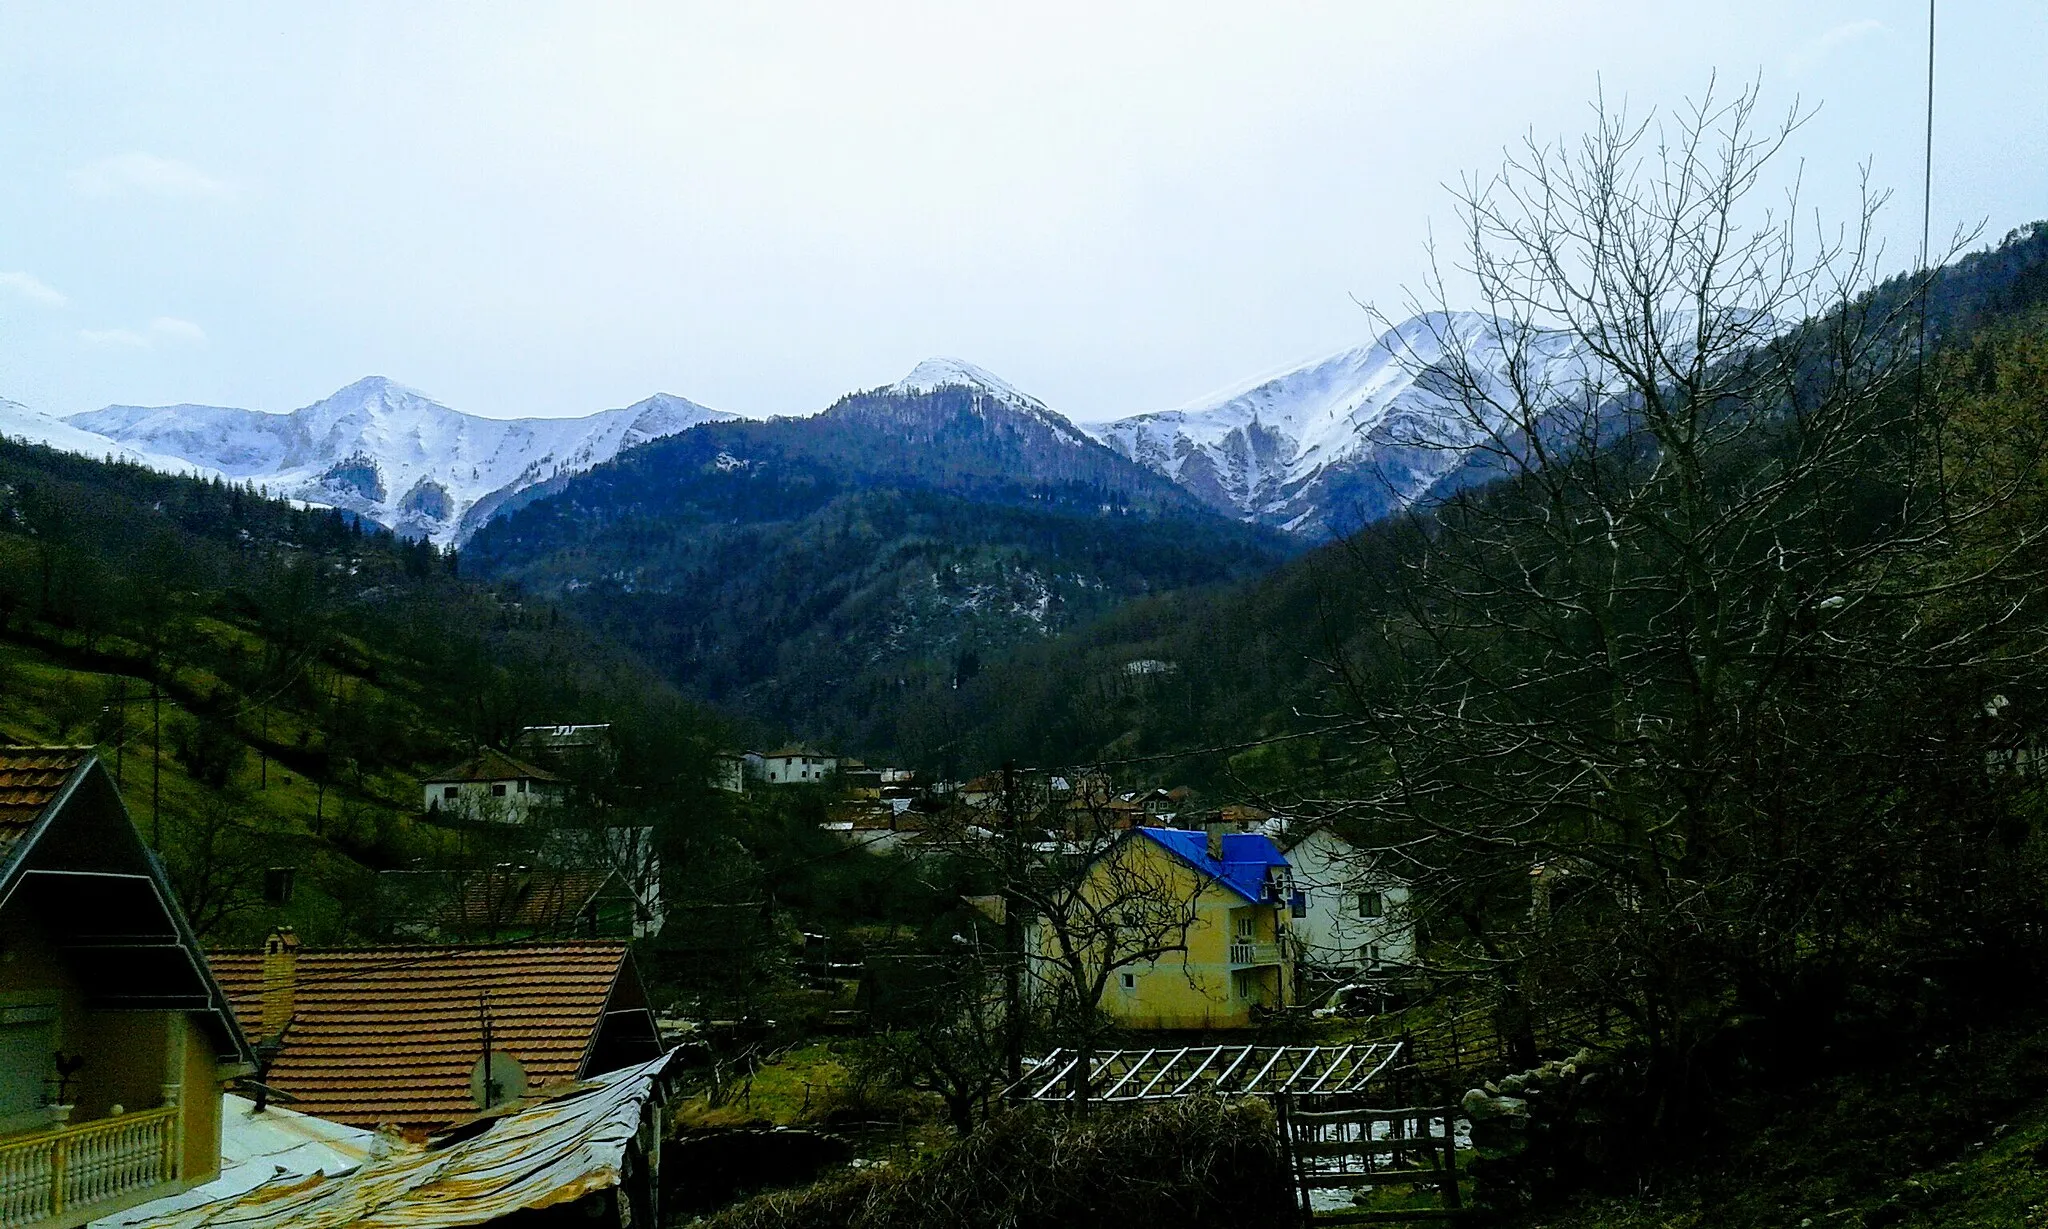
(72, 1168)
(1254, 953)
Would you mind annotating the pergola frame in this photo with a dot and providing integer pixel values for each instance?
(1163, 1074)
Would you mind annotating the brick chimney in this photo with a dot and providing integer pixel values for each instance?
(280, 980)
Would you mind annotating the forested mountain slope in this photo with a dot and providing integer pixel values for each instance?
(816, 571)
(1256, 658)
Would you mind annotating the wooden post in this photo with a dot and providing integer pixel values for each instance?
(1292, 1157)
(1452, 1199)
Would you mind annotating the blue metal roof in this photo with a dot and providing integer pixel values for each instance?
(1247, 856)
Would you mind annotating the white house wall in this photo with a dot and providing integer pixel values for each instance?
(1331, 875)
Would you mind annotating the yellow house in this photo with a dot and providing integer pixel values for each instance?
(115, 1041)
(1234, 893)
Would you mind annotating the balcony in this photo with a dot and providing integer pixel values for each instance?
(69, 1174)
(1244, 955)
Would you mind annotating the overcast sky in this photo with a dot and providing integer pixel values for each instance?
(544, 209)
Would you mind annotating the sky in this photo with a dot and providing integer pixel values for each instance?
(551, 209)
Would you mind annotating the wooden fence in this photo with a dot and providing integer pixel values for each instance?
(1335, 1147)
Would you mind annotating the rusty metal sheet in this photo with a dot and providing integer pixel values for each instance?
(553, 1152)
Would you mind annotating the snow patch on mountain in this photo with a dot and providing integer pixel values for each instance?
(391, 453)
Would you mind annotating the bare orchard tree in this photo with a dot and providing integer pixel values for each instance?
(1653, 634)
(943, 1034)
(1086, 903)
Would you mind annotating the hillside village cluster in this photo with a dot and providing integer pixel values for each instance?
(147, 1080)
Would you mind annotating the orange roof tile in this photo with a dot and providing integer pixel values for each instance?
(30, 778)
(490, 764)
(391, 1034)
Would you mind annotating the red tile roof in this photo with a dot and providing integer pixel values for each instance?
(30, 778)
(490, 764)
(391, 1034)
(544, 900)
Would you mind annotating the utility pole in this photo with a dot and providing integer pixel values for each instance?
(156, 762)
(1013, 932)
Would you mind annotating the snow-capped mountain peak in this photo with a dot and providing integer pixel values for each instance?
(941, 372)
(1319, 446)
(391, 453)
(937, 373)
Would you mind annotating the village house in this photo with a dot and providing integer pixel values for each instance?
(858, 781)
(566, 746)
(1354, 916)
(490, 787)
(729, 771)
(115, 1041)
(1239, 957)
(506, 901)
(793, 765)
(419, 1037)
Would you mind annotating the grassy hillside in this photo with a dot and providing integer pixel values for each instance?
(270, 682)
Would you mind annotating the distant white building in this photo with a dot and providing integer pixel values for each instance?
(490, 785)
(1353, 916)
(791, 766)
(729, 771)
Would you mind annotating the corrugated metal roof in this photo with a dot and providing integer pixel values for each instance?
(544, 1155)
(259, 1146)
(30, 777)
(391, 1034)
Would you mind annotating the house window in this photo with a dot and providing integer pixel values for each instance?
(1247, 928)
(1130, 981)
(26, 1043)
(498, 790)
(1372, 904)
(449, 791)
(522, 785)
(1369, 956)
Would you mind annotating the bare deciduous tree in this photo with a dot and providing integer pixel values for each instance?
(1652, 625)
(1091, 906)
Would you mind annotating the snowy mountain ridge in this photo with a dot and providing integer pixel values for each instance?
(1315, 449)
(387, 452)
(1325, 445)
(19, 422)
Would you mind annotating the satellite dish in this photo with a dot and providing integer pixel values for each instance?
(496, 1079)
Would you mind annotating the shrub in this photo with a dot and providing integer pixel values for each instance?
(1185, 1164)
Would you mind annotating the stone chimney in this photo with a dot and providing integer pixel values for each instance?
(280, 980)
(1215, 834)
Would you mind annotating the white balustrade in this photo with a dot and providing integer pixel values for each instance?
(69, 1168)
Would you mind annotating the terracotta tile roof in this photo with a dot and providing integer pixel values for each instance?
(29, 779)
(539, 900)
(391, 1034)
(490, 764)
